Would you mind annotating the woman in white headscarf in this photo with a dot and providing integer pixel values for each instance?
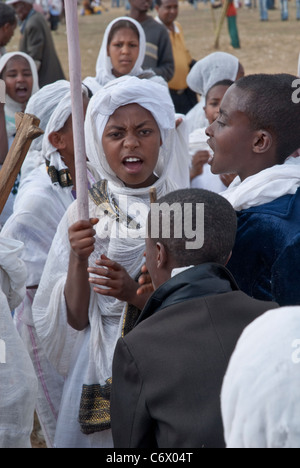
(42, 200)
(260, 394)
(108, 67)
(12, 105)
(85, 357)
(205, 73)
(19, 72)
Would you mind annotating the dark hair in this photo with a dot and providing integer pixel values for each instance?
(158, 3)
(219, 226)
(122, 24)
(7, 15)
(219, 83)
(269, 105)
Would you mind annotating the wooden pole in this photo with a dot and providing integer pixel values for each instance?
(27, 130)
(220, 25)
(213, 17)
(77, 108)
(153, 196)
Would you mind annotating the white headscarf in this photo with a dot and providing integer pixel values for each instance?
(11, 106)
(265, 186)
(42, 104)
(104, 66)
(6, 57)
(120, 92)
(205, 73)
(260, 394)
(211, 69)
(58, 118)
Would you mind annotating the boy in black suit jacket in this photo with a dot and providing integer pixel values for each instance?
(168, 371)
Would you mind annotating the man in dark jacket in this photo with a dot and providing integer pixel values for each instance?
(36, 41)
(168, 371)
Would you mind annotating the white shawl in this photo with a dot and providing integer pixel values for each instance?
(260, 395)
(266, 186)
(18, 383)
(104, 66)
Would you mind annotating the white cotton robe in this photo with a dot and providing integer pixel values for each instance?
(86, 357)
(39, 207)
(18, 382)
(260, 393)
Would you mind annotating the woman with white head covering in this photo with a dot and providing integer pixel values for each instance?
(85, 357)
(16, 102)
(18, 383)
(19, 72)
(109, 66)
(205, 73)
(42, 200)
(260, 394)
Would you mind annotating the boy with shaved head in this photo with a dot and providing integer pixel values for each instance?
(256, 132)
(168, 371)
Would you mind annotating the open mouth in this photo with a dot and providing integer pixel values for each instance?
(22, 91)
(211, 152)
(132, 164)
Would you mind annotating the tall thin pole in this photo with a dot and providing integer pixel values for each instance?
(77, 108)
(219, 27)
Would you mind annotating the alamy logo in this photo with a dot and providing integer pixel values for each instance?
(185, 224)
(296, 93)
(176, 221)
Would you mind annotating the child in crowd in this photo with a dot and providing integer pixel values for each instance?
(42, 104)
(18, 383)
(170, 397)
(122, 53)
(205, 73)
(19, 73)
(41, 202)
(80, 314)
(254, 135)
(201, 175)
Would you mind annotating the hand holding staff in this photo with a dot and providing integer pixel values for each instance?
(77, 108)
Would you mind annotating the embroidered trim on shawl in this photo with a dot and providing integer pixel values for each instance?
(100, 196)
(94, 412)
(62, 177)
